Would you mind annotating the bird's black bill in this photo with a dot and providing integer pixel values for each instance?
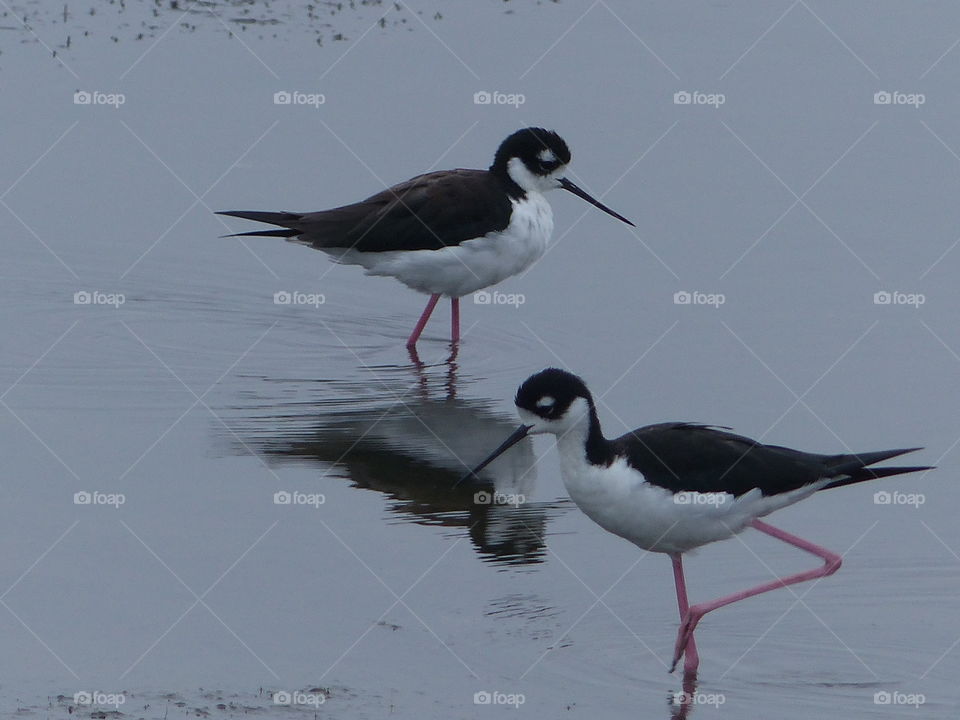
(569, 186)
(516, 436)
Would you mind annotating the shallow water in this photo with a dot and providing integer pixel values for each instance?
(199, 398)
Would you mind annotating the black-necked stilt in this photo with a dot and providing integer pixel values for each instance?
(673, 487)
(450, 232)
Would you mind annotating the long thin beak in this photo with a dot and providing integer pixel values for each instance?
(571, 187)
(516, 436)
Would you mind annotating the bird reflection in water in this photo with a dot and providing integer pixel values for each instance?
(411, 441)
(422, 370)
(683, 701)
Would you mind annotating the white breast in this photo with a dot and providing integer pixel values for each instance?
(472, 265)
(620, 500)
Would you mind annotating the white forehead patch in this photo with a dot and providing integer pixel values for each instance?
(546, 402)
(547, 155)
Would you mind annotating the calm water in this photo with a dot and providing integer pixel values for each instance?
(183, 400)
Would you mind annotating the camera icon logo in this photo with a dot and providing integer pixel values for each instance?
(682, 297)
(82, 297)
(482, 98)
(282, 497)
(682, 98)
(482, 498)
(882, 297)
(482, 698)
(882, 98)
(482, 297)
(282, 697)
(82, 498)
(282, 97)
(83, 698)
(882, 497)
(282, 297)
(882, 698)
(82, 97)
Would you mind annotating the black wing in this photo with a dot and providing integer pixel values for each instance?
(428, 212)
(686, 457)
(432, 211)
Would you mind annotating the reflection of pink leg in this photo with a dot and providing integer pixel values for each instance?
(454, 320)
(831, 563)
(422, 322)
(683, 705)
(691, 660)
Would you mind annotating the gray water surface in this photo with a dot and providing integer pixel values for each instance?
(198, 397)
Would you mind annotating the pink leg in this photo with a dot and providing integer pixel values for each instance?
(454, 320)
(691, 660)
(422, 322)
(831, 563)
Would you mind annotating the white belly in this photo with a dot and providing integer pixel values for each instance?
(654, 518)
(471, 265)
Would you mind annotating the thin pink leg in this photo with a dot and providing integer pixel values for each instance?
(691, 659)
(831, 563)
(454, 320)
(422, 322)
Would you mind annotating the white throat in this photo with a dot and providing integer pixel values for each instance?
(571, 432)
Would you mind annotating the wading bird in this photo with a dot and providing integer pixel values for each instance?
(447, 233)
(673, 487)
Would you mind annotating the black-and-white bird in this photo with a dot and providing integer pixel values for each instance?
(673, 487)
(447, 233)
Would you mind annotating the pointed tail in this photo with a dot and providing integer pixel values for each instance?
(854, 468)
(284, 219)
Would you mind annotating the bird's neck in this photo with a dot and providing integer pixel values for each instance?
(584, 443)
(510, 186)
